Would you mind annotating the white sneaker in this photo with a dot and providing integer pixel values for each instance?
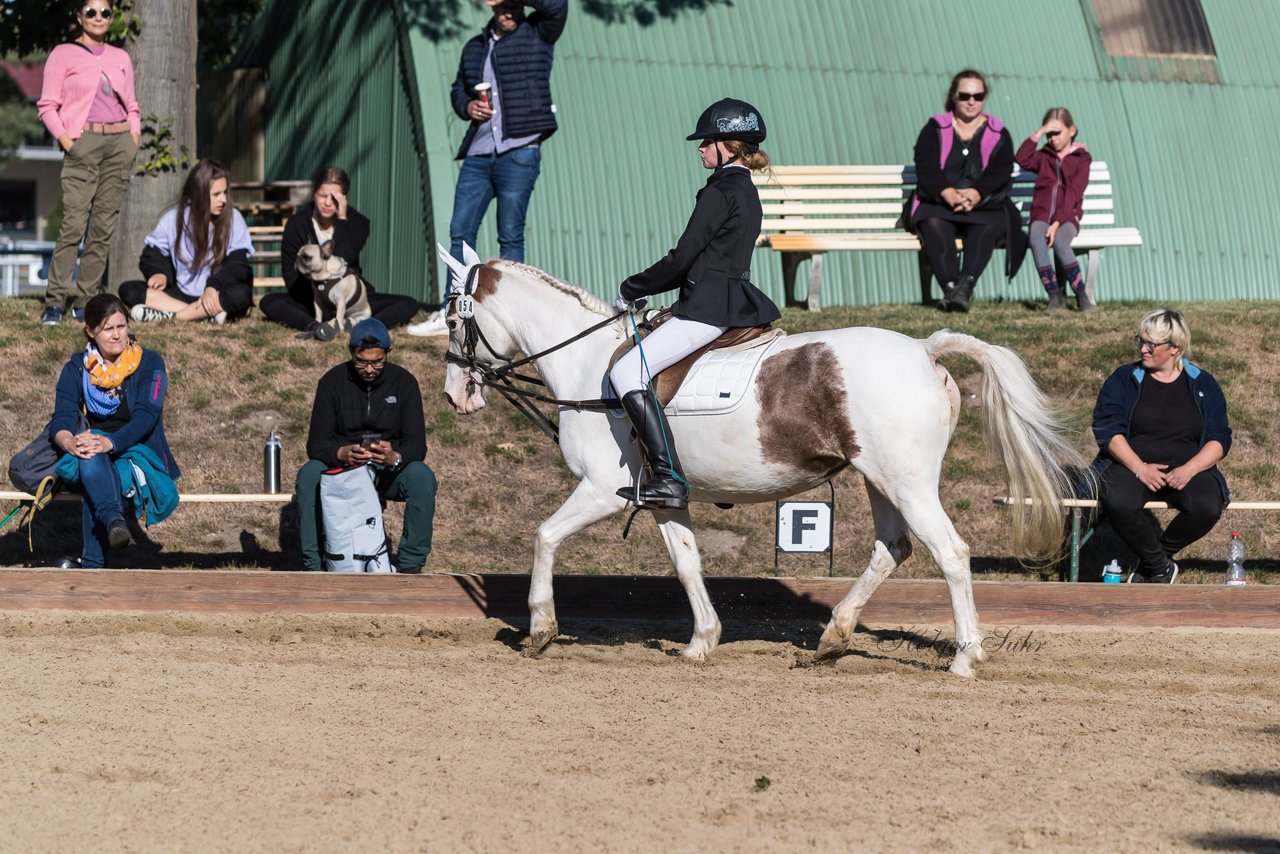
(433, 325)
(144, 314)
(219, 318)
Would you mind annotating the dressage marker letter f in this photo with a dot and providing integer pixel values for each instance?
(801, 521)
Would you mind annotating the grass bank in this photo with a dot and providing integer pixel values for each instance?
(500, 477)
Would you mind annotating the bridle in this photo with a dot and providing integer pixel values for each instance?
(501, 374)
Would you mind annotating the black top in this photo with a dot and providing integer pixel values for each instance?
(1166, 423)
(346, 407)
(963, 169)
(993, 182)
(711, 263)
(349, 236)
(113, 422)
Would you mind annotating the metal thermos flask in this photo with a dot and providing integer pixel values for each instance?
(271, 464)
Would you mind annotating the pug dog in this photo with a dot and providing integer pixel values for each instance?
(334, 291)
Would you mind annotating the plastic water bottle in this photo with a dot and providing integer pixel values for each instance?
(1235, 560)
(271, 464)
(1112, 573)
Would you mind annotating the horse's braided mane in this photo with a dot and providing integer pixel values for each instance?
(588, 300)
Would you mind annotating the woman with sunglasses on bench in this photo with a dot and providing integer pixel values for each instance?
(964, 170)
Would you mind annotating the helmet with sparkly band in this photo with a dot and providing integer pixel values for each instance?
(730, 118)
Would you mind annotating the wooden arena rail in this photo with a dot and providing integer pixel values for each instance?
(1077, 506)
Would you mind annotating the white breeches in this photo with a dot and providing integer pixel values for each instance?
(665, 346)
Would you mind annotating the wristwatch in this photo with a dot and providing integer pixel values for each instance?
(399, 460)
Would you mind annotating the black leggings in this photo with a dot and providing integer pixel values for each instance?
(938, 236)
(1199, 504)
(391, 309)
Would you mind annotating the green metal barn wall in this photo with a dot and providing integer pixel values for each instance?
(839, 82)
(336, 95)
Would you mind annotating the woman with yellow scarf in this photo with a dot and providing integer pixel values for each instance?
(117, 388)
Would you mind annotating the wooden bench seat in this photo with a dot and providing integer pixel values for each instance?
(1079, 536)
(811, 210)
(183, 497)
(266, 255)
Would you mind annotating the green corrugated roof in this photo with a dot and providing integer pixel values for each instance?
(839, 82)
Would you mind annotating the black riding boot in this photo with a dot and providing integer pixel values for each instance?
(665, 486)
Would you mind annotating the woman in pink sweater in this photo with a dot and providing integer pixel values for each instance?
(87, 103)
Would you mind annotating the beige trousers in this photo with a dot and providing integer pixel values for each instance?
(95, 175)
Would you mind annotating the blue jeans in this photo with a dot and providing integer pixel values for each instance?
(102, 505)
(509, 178)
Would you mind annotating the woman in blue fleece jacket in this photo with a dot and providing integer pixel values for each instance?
(120, 389)
(1161, 426)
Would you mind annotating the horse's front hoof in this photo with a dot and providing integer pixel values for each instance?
(695, 654)
(831, 645)
(539, 641)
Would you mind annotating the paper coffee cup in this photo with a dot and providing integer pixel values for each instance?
(482, 93)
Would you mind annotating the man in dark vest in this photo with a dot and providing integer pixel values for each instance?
(504, 88)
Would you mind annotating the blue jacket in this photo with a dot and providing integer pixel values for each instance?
(1119, 396)
(522, 63)
(142, 480)
(144, 391)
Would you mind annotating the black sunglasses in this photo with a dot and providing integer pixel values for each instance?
(1050, 134)
(971, 96)
(104, 14)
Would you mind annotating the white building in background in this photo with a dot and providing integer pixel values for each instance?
(29, 193)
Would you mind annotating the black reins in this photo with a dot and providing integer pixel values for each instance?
(501, 377)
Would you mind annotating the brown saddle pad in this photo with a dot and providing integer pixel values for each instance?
(668, 381)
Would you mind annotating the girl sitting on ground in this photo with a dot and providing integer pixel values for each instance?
(1062, 174)
(196, 261)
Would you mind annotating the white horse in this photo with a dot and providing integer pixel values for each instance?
(871, 399)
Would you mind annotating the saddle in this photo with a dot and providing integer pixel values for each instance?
(668, 381)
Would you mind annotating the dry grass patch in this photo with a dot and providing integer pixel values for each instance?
(500, 477)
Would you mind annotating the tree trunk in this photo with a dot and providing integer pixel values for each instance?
(164, 67)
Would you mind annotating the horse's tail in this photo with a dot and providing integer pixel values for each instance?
(1028, 433)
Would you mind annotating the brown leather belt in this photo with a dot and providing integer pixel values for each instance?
(108, 127)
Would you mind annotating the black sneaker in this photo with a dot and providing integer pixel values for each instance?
(118, 535)
(1169, 575)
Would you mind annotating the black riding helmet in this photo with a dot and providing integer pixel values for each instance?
(730, 118)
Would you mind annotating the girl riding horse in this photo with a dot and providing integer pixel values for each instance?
(711, 265)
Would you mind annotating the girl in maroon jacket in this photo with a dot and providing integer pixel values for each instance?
(1062, 173)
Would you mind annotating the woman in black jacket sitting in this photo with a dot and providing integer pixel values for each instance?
(964, 171)
(327, 217)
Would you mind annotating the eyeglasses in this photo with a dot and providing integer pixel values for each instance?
(104, 14)
(371, 364)
(971, 96)
(1050, 134)
(1144, 344)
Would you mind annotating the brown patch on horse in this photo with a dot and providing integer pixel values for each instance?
(486, 281)
(803, 419)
